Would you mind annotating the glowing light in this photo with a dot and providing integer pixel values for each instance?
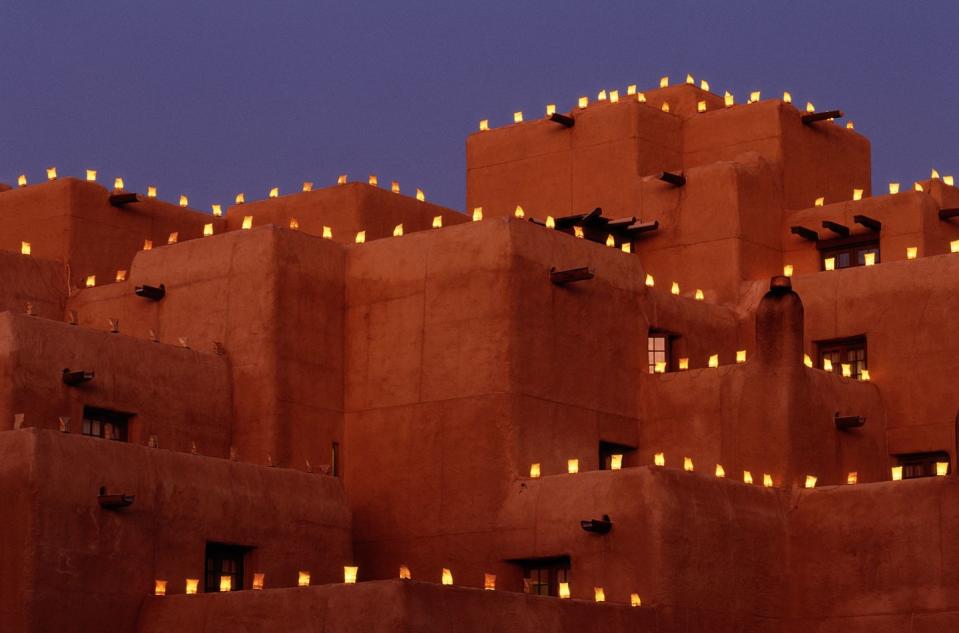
(191, 585)
(810, 481)
(159, 588)
(935, 174)
(954, 246)
(275, 192)
(405, 573)
(303, 579)
(184, 200)
(578, 232)
(857, 194)
(918, 187)
(704, 85)
(787, 97)
(631, 89)
(616, 461)
(341, 179)
(741, 356)
(534, 471)
(688, 464)
(659, 459)
(713, 361)
(807, 360)
(151, 191)
(601, 96)
(327, 231)
(226, 583)
(864, 375)
(398, 230)
(665, 107)
(700, 295)
(729, 99)
(259, 579)
(869, 259)
(207, 230)
(550, 222)
(489, 582)
(477, 214)
(820, 201)
(484, 125)
(360, 237)
(897, 473)
(846, 370)
(349, 574)
(572, 466)
(852, 478)
(610, 241)
(827, 364)
(438, 222)
(659, 367)
(788, 270)
(22, 180)
(700, 106)
(894, 187)
(650, 282)
(373, 181)
(690, 80)
(720, 471)
(634, 600)
(517, 117)
(683, 364)
(121, 275)
(550, 109)
(754, 96)
(395, 187)
(663, 82)
(564, 591)
(447, 576)
(598, 594)
(767, 480)
(912, 252)
(25, 248)
(51, 173)
(674, 288)
(307, 186)
(147, 245)
(420, 195)
(614, 96)
(583, 102)
(247, 222)
(626, 247)
(810, 107)
(747, 477)
(240, 198)
(173, 238)
(519, 213)
(91, 175)
(949, 180)
(829, 263)
(942, 469)
(641, 97)
(850, 125)
(91, 281)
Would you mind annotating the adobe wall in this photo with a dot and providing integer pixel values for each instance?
(71, 565)
(180, 395)
(30, 280)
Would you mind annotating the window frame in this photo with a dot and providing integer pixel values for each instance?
(669, 339)
(95, 421)
(223, 552)
(923, 463)
(556, 570)
(843, 347)
(854, 247)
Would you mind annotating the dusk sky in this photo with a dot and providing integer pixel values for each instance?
(210, 98)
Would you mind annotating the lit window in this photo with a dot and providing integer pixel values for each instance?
(659, 348)
(847, 255)
(915, 465)
(224, 560)
(848, 351)
(541, 576)
(105, 423)
(608, 449)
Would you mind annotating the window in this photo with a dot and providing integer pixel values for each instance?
(608, 449)
(335, 459)
(111, 425)
(848, 252)
(849, 351)
(658, 348)
(224, 560)
(541, 576)
(916, 465)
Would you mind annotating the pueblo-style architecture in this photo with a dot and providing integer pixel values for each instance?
(677, 369)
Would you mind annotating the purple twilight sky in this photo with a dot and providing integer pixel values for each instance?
(209, 98)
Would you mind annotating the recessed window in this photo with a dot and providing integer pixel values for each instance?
(224, 560)
(659, 350)
(608, 449)
(104, 423)
(846, 351)
(541, 576)
(848, 252)
(915, 465)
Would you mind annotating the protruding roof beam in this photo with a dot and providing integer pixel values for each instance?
(803, 232)
(812, 117)
(677, 180)
(74, 378)
(121, 198)
(153, 293)
(562, 119)
(869, 223)
(846, 422)
(835, 227)
(568, 276)
(948, 214)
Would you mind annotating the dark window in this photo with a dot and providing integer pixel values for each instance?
(848, 252)
(541, 576)
(335, 459)
(847, 351)
(224, 560)
(608, 449)
(916, 465)
(658, 349)
(105, 423)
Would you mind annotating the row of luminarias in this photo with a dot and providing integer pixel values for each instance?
(894, 188)
(659, 459)
(240, 198)
(869, 259)
(613, 96)
(349, 578)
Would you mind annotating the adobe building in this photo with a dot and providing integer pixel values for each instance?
(678, 368)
